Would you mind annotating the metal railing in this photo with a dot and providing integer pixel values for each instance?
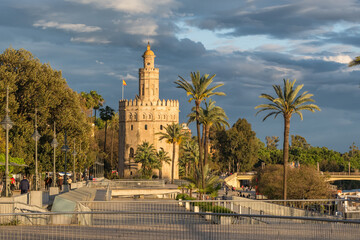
(173, 225)
(169, 219)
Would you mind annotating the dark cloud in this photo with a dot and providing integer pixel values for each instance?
(98, 60)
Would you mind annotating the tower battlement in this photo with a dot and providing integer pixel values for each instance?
(139, 102)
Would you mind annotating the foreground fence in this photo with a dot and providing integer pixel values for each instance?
(175, 225)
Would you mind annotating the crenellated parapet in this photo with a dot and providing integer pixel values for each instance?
(139, 102)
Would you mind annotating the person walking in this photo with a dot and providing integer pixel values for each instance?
(24, 185)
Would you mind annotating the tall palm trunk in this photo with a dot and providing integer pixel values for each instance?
(112, 147)
(173, 163)
(206, 145)
(105, 136)
(286, 151)
(201, 163)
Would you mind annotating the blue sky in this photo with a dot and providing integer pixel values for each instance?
(250, 45)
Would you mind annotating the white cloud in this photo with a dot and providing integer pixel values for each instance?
(344, 59)
(99, 62)
(125, 77)
(89, 40)
(66, 26)
(133, 6)
(139, 26)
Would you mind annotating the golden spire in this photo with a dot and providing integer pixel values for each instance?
(148, 51)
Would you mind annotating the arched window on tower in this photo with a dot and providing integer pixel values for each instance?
(131, 155)
(161, 127)
(144, 116)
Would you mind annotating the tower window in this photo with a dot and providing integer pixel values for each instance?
(131, 155)
(132, 127)
(161, 127)
(148, 64)
(145, 126)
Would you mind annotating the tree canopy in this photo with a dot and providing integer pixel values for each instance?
(33, 84)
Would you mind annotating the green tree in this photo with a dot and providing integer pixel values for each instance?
(199, 91)
(163, 158)
(174, 136)
(272, 142)
(238, 146)
(106, 114)
(33, 84)
(299, 142)
(355, 62)
(287, 102)
(303, 183)
(146, 155)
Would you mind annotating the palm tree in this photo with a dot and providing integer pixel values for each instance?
(287, 103)
(210, 116)
(198, 91)
(162, 157)
(98, 100)
(146, 155)
(106, 114)
(173, 135)
(212, 181)
(190, 155)
(355, 62)
(88, 101)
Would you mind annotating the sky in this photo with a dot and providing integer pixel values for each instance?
(250, 45)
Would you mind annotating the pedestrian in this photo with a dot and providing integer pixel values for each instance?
(24, 185)
(12, 183)
(69, 181)
(60, 182)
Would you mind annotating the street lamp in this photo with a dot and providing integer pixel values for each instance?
(54, 144)
(74, 154)
(36, 136)
(65, 149)
(7, 125)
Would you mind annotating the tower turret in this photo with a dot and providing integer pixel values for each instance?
(149, 77)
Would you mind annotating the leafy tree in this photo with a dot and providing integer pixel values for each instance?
(304, 183)
(286, 103)
(146, 155)
(163, 158)
(355, 62)
(33, 84)
(272, 142)
(238, 146)
(174, 135)
(106, 114)
(299, 142)
(199, 91)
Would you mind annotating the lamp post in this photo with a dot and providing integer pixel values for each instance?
(74, 154)
(54, 144)
(36, 136)
(65, 149)
(7, 125)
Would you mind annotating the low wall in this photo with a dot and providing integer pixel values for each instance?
(268, 208)
(145, 191)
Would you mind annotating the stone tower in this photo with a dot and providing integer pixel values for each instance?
(141, 118)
